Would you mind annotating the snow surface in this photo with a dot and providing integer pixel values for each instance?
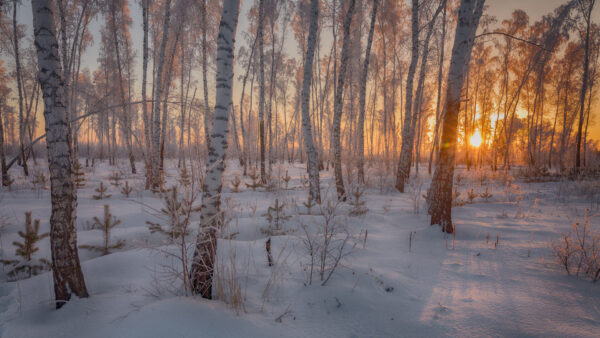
(409, 280)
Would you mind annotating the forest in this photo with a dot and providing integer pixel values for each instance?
(299, 168)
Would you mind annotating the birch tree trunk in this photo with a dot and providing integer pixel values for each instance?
(66, 270)
(338, 105)
(5, 178)
(261, 100)
(148, 151)
(417, 106)
(438, 112)
(362, 99)
(125, 118)
(207, 112)
(19, 77)
(156, 174)
(406, 149)
(311, 152)
(586, 67)
(440, 192)
(202, 269)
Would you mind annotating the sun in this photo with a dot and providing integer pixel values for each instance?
(475, 140)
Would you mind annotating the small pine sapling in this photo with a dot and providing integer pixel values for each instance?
(178, 212)
(79, 175)
(486, 195)
(456, 200)
(9, 182)
(40, 181)
(286, 179)
(236, 184)
(115, 179)
(276, 217)
(26, 265)
(471, 196)
(106, 226)
(309, 204)
(126, 190)
(101, 190)
(184, 177)
(358, 205)
(255, 180)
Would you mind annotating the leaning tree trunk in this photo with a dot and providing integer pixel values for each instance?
(362, 99)
(417, 105)
(66, 270)
(440, 193)
(202, 269)
(337, 115)
(311, 151)
(156, 174)
(406, 151)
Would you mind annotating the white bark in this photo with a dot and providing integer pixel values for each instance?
(261, 100)
(206, 244)
(68, 277)
(311, 151)
(337, 115)
(362, 99)
(156, 174)
(440, 192)
(406, 148)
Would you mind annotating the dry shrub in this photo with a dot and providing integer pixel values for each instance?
(578, 251)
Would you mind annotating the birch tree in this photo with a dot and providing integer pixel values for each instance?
(362, 99)
(586, 7)
(156, 174)
(406, 150)
(4, 90)
(261, 98)
(440, 192)
(19, 76)
(66, 270)
(338, 105)
(202, 270)
(309, 146)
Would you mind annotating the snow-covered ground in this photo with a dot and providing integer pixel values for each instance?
(495, 277)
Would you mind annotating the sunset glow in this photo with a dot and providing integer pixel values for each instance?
(475, 139)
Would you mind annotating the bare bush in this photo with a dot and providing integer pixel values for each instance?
(578, 251)
(327, 243)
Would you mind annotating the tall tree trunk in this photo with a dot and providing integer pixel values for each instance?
(438, 111)
(126, 124)
(147, 124)
(417, 106)
(362, 99)
(207, 111)
(440, 191)
(244, 155)
(202, 269)
(584, 85)
(66, 270)
(338, 105)
(19, 77)
(5, 177)
(405, 151)
(311, 151)
(156, 174)
(261, 100)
